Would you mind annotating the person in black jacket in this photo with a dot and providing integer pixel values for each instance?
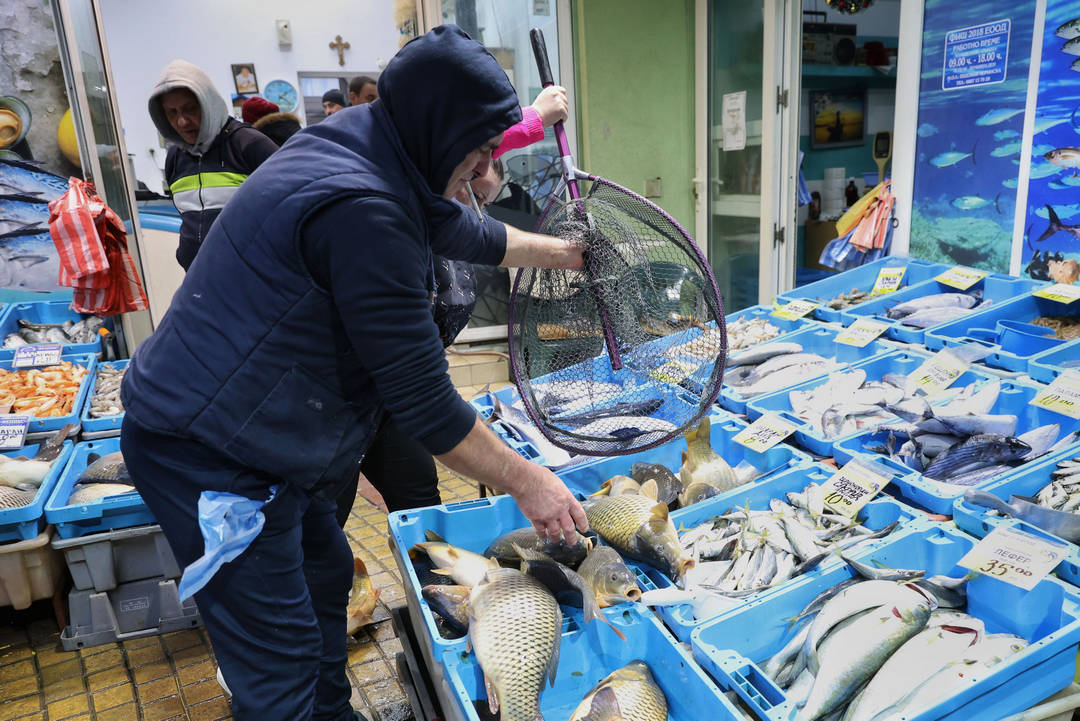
(210, 154)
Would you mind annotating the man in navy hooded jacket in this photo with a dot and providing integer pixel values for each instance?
(303, 325)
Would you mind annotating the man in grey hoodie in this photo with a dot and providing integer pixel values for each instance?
(210, 153)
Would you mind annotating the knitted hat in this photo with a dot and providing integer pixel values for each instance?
(255, 108)
(334, 96)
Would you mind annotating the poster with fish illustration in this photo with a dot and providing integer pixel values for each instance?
(1052, 228)
(28, 257)
(972, 95)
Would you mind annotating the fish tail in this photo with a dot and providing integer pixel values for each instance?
(975, 145)
(996, 206)
(1054, 224)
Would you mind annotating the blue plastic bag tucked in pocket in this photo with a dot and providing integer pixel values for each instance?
(229, 523)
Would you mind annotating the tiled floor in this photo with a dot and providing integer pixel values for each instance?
(173, 676)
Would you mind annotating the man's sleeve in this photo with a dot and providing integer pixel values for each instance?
(372, 258)
(457, 234)
(254, 147)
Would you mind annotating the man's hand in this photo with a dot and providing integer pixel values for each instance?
(532, 250)
(551, 105)
(553, 510)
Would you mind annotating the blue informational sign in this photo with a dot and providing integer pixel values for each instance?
(976, 55)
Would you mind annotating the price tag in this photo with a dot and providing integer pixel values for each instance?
(795, 309)
(39, 354)
(765, 432)
(674, 372)
(888, 280)
(1062, 396)
(938, 372)
(852, 487)
(1015, 557)
(1060, 292)
(960, 277)
(861, 332)
(13, 432)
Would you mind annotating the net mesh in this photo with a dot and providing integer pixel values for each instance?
(645, 290)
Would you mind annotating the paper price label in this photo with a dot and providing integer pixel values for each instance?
(1015, 557)
(888, 280)
(861, 333)
(1060, 293)
(674, 372)
(938, 372)
(852, 487)
(795, 309)
(39, 354)
(1062, 396)
(13, 432)
(960, 277)
(765, 432)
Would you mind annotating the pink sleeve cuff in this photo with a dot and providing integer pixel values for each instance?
(530, 130)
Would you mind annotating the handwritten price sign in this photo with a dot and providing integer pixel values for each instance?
(960, 277)
(35, 355)
(938, 372)
(765, 432)
(1062, 396)
(888, 280)
(1015, 557)
(1060, 293)
(795, 309)
(13, 432)
(852, 487)
(861, 333)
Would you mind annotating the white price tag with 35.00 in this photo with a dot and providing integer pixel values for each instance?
(765, 432)
(13, 432)
(1015, 557)
(852, 487)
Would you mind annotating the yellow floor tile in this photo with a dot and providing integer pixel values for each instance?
(68, 707)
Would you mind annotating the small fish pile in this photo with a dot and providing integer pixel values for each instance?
(746, 551)
(772, 367)
(629, 693)
(741, 333)
(68, 332)
(106, 399)
(1062, 493)
(930, 310)
(1066, 327)
(886, 648)
(47, 392)
(961, 443)
(846, 300)
(20, 477)
(104, 476)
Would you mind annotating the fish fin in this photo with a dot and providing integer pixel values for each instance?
(996, 206)
(1054, 224)
(529, 554)
(553, 662)
(975, 145)
(605, 705)
(441, 571)
(650, 490)
(659, 512)
(434, 537)
(26, 487)
(417, 551)
(91, 457)
(492, 695)
(604, 490)
(359, 567)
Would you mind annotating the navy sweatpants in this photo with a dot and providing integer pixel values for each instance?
(275, 614)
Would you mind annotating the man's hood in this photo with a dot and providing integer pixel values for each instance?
(215, 113)
(447, 96)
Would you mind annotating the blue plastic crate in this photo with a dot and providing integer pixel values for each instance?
(44, 311)
(996, 287)
(731, 647)
(22, 524)
(723, 428)
(1024, 309)
(938, 497)
(102, 514)
(1047, 366)
(875, 515)
(861, 278)
(587, 655)
(904, 362)
(107, 425)
(819, 340)
(471, 525)
(1025, 481)
(44, 425)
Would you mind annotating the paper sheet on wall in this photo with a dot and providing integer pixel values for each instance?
(734, 120)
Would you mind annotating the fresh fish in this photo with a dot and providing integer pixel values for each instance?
(15, 498)
(362, 599)
(1040, 439)
(934, 316)
(795, 371)
(760, 354)
(971, 424)
(23, 471)
(106, 399)
(19, 213)
(610, 579)
(703, 603)
(997, 116)
(520, 425)
(91, 492)
(1065, 157)
(560, 580)
(624, 429)
(109, 468)
(628, 694)
(451, 603)
(875, 573)
(617, 486)
(503, 549)
(560, 392)
(747, 331)
(976, 452)
(515, 628)
(849, 299)
(25, 179)
(704, 473)
(979, 475)
(937, 300)
(667, 483)
(621, 408)
(465, 567)
(641, 529)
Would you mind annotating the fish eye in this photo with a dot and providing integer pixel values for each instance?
(614, 576)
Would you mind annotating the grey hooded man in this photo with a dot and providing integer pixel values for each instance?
(210, 153)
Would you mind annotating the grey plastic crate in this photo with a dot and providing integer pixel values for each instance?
(131, 610)
(103, 561)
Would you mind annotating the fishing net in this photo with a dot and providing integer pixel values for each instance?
(628, 352)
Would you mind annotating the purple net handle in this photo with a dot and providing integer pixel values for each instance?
(543, 66)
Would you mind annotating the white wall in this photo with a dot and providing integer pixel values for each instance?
(143, 37)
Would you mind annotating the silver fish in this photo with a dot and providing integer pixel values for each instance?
(938, 300)
(976, 452)
(520, 424)
(624, 429)
(90, 492)
(761, 353)
(934, 316)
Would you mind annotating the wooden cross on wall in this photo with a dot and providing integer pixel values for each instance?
(341, 48)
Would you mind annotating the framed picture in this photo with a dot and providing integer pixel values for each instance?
(837, 118)
(244, 78)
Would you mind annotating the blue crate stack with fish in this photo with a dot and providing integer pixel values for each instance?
(877, 520)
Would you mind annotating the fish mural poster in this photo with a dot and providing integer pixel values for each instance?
(972, 96)
(1052, 229)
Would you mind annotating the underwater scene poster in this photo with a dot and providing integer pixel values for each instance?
(972, 96)
(1052, 228)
